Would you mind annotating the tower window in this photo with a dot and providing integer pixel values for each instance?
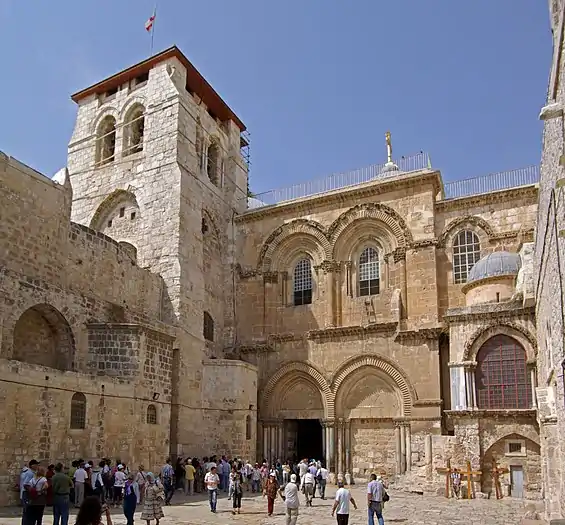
(151, 415)
(132, 216)
(134, 130)
(106, 141)
(122, 212)
(208, 327)
(302, 285)
(109, 224)
(213, 163)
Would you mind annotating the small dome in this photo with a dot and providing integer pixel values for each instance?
(495, 264)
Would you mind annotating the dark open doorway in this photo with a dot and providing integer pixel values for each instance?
(309, 439)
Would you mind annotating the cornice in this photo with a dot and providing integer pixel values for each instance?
(498, 414)
(509, 310)
(367, 189)
(420, 333)
(530, 191)
(428, 402)
(344, 331)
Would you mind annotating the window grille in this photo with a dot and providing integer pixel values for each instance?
(152, 415)
(466, 252)
(303, 282)
(369, 272)
(503, 380)
(208, 327)
(514, 447)
(78, 411)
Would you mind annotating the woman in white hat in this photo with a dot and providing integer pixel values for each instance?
(119, 483)
(271, 489)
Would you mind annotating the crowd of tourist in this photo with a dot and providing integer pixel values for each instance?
(95, 488)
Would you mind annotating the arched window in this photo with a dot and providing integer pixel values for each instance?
(208, 327)
(369, 272)
(302, 285)
(133, 130)
(151, 415)
(466, 252)
(248, 427)
(502, 378)
(213, 163)
(106, 140)
(78, 411)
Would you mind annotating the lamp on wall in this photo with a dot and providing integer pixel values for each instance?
(155, 396)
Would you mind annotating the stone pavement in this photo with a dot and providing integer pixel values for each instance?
(406, 509)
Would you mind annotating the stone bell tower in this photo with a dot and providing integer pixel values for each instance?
(155, 163)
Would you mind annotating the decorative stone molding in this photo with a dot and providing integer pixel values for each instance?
(259, 348)
(428, 403)
(312, 229)
(329, 266)
(271, 277)
(419, 333)
(345, 331)
(488, 312)
(308, 370)
(528, 193)
(384, 364)
(399, 255)
(509, 328)
(246, 273)
(425, 243)
(373, 210)
(462, 221)
(551, 111)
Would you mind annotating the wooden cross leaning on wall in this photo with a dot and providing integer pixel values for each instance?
(447, 471)
(469, 473)
(496, 473)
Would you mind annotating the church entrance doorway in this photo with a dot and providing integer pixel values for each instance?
(305, 439)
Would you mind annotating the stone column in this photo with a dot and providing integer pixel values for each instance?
(533, 381)
(402, 448)
(281, 448)
(473, 388)
(408, 447)
(266, 435)
(399, 256)
(429, 457)
(273, 448)
(339, 449)
(329, 270)
(324, 441)
(331, 441)
(347, 443)
(398, 450)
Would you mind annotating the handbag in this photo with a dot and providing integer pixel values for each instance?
(386, 497)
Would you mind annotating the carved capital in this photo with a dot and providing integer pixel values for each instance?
(271, 277)
(330, 266)
(399, 254)
(246, 273)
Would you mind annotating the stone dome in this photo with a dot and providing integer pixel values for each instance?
(495, 264)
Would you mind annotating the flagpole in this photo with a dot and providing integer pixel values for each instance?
(153, 28)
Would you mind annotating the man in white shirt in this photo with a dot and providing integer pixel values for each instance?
(291, 500)
(80, 479)
(375, 491)
(211, 480)
(341, 504)
(307, 486)
(322, 480)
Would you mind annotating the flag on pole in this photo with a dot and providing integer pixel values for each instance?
(150, 22)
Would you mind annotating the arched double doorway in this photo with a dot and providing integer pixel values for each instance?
(355, 421)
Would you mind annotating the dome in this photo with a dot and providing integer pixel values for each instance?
(495, 264)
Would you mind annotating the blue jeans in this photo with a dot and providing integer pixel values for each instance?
(213, 496)
(225, 482)
(61, 510)
(376, 508)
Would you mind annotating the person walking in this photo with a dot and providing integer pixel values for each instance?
(153, 500)
(141, 479)
(131, 498)
(61, 484)
(119, 483)
(322, 480)
(375, 492)
(168, 479)
(212, 480)
(308, 481)
(271, 489)
(236, 490)
(291, 500)
(341, 504)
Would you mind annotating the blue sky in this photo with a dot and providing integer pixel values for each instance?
(317, 82)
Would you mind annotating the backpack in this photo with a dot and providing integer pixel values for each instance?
(32, 491)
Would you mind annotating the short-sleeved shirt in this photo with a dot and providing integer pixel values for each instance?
(375, 488)
(189, 472)
(343, 497)
(291, 496)
(211, 481)
(80, 475)
(61, 484)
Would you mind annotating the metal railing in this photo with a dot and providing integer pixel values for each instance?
(338, 181)
(494, 182)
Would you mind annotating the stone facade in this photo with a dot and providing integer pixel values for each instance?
(145, 310)
(549, 282)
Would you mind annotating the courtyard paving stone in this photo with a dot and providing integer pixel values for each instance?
(403, 508)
